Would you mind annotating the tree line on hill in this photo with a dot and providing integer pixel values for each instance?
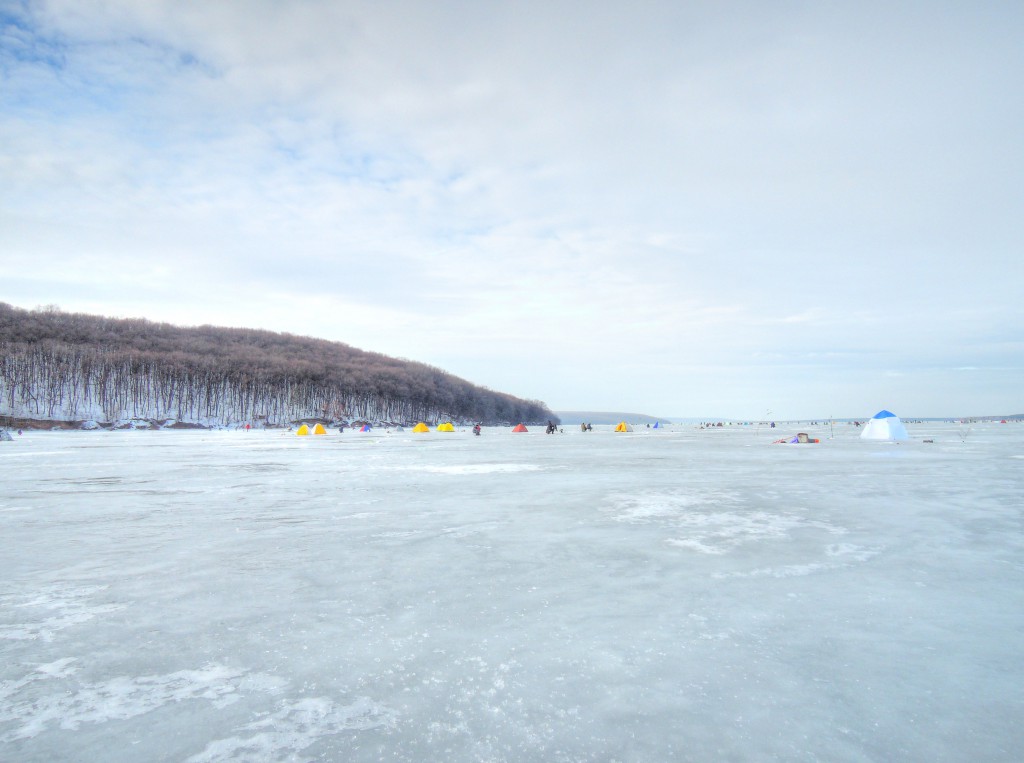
(60, 366)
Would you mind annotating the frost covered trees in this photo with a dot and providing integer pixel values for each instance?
(74, 367)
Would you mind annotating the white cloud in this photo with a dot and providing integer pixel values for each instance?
(658, 207)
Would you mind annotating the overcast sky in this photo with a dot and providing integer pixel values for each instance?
(674, 208)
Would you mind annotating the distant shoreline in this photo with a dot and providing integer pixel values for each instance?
(87, 425)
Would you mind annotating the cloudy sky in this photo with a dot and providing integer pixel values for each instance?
(675, 208)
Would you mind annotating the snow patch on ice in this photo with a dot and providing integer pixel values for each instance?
(721, 532)
(852, 552)
(711, 531)
(56, 669)
(658, 506)
(69, 605)
(119, 698)
(844, 554)
(294, 727)
(478, 468)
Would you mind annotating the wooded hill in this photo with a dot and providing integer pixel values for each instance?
(58, 366)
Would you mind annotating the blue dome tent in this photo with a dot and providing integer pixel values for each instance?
(885, 425)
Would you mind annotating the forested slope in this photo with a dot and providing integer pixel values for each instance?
(59, 366)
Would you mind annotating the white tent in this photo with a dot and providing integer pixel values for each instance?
(885, 426)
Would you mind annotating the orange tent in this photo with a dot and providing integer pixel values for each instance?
(519, 428)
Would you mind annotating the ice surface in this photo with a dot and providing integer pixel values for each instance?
(675, 594)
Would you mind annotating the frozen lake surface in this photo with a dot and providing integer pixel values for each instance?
(663, 595)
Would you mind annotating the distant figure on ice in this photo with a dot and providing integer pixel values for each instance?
(550, 429)
(476, 429)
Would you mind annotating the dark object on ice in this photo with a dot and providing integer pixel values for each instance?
(5, 436)
(801, 438)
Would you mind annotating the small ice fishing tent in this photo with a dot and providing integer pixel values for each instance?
(520, 428)
(885, 425)
(319, 429)
(446, 427)
(421, 427)
(364, 428)
(657, 425)
(623, 427)
(302, 431)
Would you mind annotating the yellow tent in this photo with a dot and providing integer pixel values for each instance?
(319, 429)
(421, 427)
(303, 430)
(623, 427)
(446, 427)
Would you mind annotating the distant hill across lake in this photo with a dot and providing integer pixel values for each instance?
(608, 417)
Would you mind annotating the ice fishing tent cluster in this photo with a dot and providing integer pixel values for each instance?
(304, 430)
(885, 425)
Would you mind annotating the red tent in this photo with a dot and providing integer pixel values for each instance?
(519, 428)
